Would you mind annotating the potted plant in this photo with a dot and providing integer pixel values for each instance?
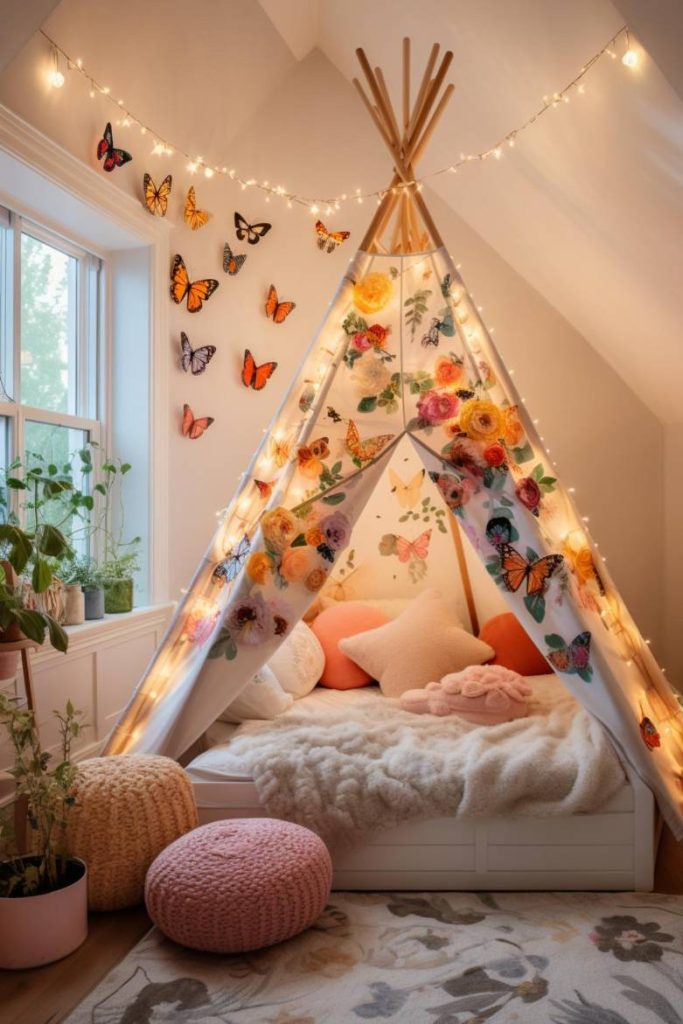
(121, 557)
(84, 574)
(17, 619)
(50, 502)
(43, 894)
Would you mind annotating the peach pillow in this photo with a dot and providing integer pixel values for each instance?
(513, 646)
(337, 623)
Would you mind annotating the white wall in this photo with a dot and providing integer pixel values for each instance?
(607, 443)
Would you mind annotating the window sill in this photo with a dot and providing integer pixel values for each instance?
(110, 629)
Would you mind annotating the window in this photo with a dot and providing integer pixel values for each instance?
(50, 357)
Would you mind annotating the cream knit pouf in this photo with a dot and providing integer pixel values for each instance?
(128, 809)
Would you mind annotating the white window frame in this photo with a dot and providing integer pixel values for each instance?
(90, 355)
(56, 188)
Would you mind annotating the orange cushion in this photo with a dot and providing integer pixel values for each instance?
(334, 624)
(513, 646)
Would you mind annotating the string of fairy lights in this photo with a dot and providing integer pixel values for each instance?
(161, 146)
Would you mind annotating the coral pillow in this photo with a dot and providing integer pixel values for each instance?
(513, 646)
(422, 644)
(338, 623)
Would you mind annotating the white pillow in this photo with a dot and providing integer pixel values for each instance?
(420, 646)
(298, 663)
(263, 697)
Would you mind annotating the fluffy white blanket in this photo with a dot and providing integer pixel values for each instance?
(367, 765)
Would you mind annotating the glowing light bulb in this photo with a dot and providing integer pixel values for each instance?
(56, 78)
(208, 172)
(630, 59)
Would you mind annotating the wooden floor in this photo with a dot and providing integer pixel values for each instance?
(46, 995)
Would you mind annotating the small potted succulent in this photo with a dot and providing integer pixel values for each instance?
(85, 574)
(43, 894)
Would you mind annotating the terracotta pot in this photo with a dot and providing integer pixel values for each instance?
(74, 611)
(36, 930)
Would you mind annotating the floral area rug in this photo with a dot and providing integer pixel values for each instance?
(443, 958)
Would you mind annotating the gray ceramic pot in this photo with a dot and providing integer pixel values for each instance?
(94, 603)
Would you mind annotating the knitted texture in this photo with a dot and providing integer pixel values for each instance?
(127, 810)
(483, 694)
(239, 884)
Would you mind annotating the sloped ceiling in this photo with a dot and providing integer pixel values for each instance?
(588, 207)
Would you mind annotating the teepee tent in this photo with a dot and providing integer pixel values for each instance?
(402, 352)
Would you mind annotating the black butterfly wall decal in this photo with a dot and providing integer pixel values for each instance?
(252, 232)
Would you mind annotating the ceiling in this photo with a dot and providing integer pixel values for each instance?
(588, 207)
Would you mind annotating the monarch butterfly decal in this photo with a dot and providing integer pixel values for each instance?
(197, 292)
(156, 199)
(516, 568)
(194, 428)
(194, 218)
(275, 310)
(254, 376)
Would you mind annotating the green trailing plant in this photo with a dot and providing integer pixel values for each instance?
(48, 789)
(120, 556)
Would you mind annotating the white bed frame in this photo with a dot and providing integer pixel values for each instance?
(614, 849)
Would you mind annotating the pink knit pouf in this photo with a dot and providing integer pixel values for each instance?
(239, 884)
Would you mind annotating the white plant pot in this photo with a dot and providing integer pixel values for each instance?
(36, 930)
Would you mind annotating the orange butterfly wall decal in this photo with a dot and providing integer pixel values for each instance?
(407, 550)
(275, 310)
(156, 199)
(329, 240)
(194, 218)
(516, 568)
(197, 292)
(194, 428)
(254, 376)
(364, 451)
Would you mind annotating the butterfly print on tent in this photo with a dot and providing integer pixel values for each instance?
(230, 567)
(574, 657)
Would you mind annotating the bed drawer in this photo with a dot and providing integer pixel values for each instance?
(403, 858)
(559, 858)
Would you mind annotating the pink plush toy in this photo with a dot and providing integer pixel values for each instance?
(483, 694)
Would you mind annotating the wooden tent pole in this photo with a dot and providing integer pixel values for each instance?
(405, 149)
(406, 84)
(464, 574)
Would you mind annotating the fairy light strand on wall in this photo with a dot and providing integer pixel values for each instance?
(162, 146)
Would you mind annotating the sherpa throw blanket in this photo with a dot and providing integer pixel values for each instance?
(365, 764)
